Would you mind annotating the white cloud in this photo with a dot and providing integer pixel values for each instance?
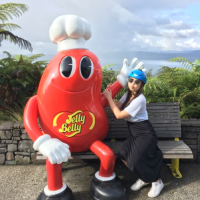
(151, 43)
(189, 33)
(189, 44)
(176, 24)
(116, 24)
(38, 44)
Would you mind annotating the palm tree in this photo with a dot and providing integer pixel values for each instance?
(7, 11)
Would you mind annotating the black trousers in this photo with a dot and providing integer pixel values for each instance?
(141, 152)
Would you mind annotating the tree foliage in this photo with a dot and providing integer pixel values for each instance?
(110, 76)
(170, 85)
(188, 87)
(195, 66)
(20, 75)
(7, 11)
(19, 79)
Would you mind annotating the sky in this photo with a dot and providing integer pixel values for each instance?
(117, 25)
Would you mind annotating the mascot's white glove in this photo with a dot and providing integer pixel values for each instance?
(125, 71)
(54, 149)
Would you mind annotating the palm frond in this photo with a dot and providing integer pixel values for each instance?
(4, 16)
(41, 63)
(9, 26)
(8, 54)
(8, 10)
(183, 61)
(7, 35)
(154, 90)
(20, 58)
(197, 62)
(35, 57)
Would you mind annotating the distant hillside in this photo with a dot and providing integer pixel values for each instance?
(142, 55)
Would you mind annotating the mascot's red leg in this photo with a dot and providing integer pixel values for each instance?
(54, 176)
(55, 188)
(106, 156)
(105, 184)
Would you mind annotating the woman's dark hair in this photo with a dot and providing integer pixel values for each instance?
(126, 102)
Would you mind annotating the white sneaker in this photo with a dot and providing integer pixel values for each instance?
(138, 184)
(156, 189)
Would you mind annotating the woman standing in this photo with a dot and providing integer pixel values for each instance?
(139, 152)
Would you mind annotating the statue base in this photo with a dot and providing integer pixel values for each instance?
(108, 190)
(65, 195)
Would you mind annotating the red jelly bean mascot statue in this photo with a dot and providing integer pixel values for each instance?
(70, 109)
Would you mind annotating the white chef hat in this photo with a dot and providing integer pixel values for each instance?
(70, 32)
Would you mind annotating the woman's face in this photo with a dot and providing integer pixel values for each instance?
(134, 84)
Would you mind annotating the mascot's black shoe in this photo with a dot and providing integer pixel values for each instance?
(108, 190)
(65, 195)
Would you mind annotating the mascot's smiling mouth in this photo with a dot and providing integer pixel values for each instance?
(88, 88)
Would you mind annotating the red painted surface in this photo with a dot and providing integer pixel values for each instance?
(106, 156)
(72, 109)
(54, 176)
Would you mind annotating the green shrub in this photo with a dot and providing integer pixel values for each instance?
(19, 79)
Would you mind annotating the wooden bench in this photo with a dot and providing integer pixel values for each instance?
(165, 118)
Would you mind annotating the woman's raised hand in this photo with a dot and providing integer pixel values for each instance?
(107, 93)
(109, 85)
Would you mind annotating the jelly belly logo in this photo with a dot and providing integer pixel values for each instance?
(78, 123)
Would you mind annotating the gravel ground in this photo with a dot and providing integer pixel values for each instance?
(25, 182)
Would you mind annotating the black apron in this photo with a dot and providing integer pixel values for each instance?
(141, 152)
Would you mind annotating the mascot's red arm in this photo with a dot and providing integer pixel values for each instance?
(30, 119)
(115, 88)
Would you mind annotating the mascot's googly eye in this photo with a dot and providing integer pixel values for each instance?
(86, 67)
(67, 67)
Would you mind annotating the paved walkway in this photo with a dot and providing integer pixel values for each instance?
(26, 182)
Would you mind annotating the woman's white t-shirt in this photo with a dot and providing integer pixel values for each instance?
(136, 109)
